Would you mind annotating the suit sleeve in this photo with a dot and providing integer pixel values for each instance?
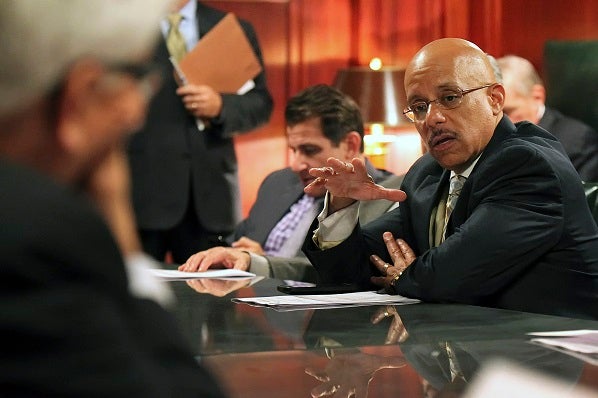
(587, 159)
(249, 226)
(348, 262)
(295, 268)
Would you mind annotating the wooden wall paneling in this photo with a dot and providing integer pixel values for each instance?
(486, 25)
(320, 41)
(377, 33)
(457, 16)
(394, 30)
(527, 25)
(406, 38)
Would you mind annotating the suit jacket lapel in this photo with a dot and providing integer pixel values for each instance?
(207, 18)
(279, 206)
(503, 130)
(548, 119)
(426, 200)
(459, 214)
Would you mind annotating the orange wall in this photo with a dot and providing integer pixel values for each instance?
(305, 41)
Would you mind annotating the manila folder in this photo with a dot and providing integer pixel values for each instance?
(222, 59)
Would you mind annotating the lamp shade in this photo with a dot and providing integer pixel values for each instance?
(380, 94)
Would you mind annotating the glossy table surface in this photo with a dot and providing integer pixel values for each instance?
(419, 350)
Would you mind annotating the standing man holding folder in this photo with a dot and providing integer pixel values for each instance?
(183, 162)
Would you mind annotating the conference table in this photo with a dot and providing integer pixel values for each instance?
(415, 350)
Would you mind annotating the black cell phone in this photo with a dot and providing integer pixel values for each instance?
(324, 289)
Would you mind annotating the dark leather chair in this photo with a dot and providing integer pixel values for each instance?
(591, 189)
(570, 72)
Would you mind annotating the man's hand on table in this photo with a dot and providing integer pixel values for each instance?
(217, 257)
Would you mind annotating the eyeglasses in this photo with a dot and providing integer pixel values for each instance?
(450, 99)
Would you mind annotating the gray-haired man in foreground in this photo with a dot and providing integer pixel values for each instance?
(73, 322)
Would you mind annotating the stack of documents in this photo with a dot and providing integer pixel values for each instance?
(582, 344)
(322, 301)
(168, 274)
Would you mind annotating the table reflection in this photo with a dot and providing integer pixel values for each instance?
(218, 287)
(421, 350)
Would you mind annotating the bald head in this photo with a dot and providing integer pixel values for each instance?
(461, 58)
(455, 100)
(519, 73)
(525, 92)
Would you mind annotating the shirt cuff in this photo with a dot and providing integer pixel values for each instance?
(143, 284)
(337, 227)
(259, 265)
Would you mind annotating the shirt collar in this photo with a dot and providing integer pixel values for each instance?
(468, 170)
(188, 10)
(541, 110)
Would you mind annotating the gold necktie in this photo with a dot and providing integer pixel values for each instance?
(455, 187)
(454, 365)
(174, 40)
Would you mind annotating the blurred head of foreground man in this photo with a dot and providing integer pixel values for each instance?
(73, 85)
(493, 215)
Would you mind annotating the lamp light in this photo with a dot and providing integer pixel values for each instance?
(379, 92)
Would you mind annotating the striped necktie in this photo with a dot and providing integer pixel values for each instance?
(455, 187)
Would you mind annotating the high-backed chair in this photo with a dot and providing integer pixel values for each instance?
(570, 72)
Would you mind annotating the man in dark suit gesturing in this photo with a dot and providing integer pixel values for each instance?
(512, 229)
(183, 163)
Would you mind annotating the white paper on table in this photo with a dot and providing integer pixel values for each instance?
(171, 274)
(582, 344)
(565, 333)
(322, 301)
(290, 282)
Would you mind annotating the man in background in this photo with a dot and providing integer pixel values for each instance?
(73, 323)
(321, 122)
(183, 163)
(525, 100)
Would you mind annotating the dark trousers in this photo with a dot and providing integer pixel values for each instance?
(181, 241)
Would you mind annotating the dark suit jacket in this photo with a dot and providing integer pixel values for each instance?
(579, 140)
(277, 193)
(172, 161)
(520, 237)
(68, 324)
